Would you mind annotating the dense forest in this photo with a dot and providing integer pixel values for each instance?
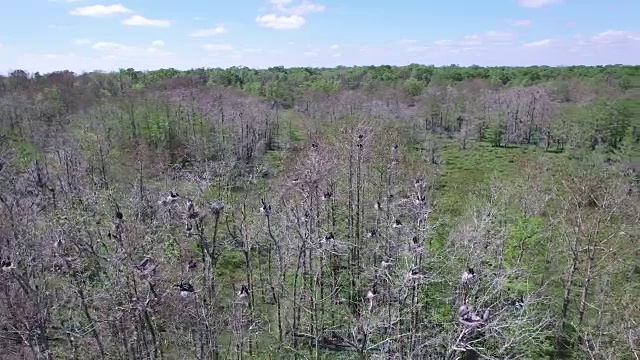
(412, 212)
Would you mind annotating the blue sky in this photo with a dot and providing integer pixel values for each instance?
(85, 35)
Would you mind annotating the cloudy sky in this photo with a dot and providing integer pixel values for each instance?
(84, 35)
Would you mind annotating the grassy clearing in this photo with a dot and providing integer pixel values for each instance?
(467, 173)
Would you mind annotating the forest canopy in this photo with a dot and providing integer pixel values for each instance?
(350, 212)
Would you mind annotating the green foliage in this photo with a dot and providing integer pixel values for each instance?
(230, 264)
(157, 128)
(495, 133)
(414, 87)
(280, 92)
(589, 126)
(273, 80)
(323, 85)
(526, 235)
(27, 153)
(625, 83)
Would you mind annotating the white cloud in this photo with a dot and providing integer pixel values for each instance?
(280, 22)
(100, 10)
(540, 43)
(108, 46)
(217, 47)
(209, 32)
(336, 55)
(158, 43)
(480, 41)
(310, 53)
(615, 37)
(521, 22)
(197, 18)
(417, 49)
(137, 20)
(537, 3)
(488, 37)
(120, 50)
(304, 7)
(288, 17)
(442, 42)
(335, 47)
(82, 41)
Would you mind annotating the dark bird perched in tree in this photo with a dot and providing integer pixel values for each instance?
(192, 211)
(329, 238)
(243, 294)
(327, 195)
(59, 243)
(170, 199)
(419, 199)
(188, 228)
(307, 215)
(518, 303)
(372, 233)
(314, 145)
(192, 264)
(217, 207)
(7, 265)
(468, 276)
(116, 231)
(378, 206)
(336, 337)
(147, 266)
(415, 244)
(415, 274)
(397, 223)
(466, 312)
(265, 209)
(186, 289)
(468, 317)
(418, 184)
(371, 295)
(394, 154)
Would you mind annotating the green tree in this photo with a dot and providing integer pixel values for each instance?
(414, 87)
